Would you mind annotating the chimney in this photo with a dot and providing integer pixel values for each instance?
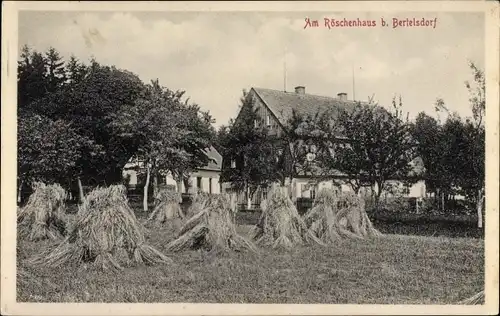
(342, 96)
(300, 90)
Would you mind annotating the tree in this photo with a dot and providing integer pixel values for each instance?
(75, 70)
(48, 151)
(380, 144)
(198, 136)
(90, 104)
(458, 154)
(304, 148)
(152, 124)
(473, 180)
(170, 135)
(433, 146)
(87, 97)
(249, 151)
(56, 73)
(306, 136)
(32, 83)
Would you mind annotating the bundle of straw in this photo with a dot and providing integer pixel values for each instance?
(211, 229)
(106, 234)
(167, 207)
(43, 216)
(200, 200)
(334, 216)
(477, 299)
(351, 217)
(280, 225)
(321, 218)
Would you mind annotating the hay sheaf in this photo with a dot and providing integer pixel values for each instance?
(339, 215)
(167, 207)
(106, 235)
(212, 229)
(199, 203)
(43, 215)
(477, 299)
(280, 225)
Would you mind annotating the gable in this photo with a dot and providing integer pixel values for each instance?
(266, 115)
(215, 160)
(214, 163)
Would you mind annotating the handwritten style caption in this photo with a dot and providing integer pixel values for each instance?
(392, 23)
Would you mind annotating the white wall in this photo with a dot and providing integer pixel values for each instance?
(416, 190)
(302, 187)
(169, 180)
(215, 185)
(206, 175)
(133, 176)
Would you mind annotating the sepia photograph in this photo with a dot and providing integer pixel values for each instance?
(208, 155)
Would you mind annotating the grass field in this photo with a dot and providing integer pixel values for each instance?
(394, 269)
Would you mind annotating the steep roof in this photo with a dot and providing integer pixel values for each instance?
(282, 104)
(215, 162)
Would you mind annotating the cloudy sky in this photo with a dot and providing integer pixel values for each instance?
(213, 56)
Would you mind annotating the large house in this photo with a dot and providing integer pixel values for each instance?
(275, 108)
(204, 179)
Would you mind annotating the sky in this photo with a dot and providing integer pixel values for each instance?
(213, 56)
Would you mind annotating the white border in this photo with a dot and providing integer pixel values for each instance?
(8, 156)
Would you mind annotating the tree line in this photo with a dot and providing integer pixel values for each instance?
(368, 144)
(82, 122)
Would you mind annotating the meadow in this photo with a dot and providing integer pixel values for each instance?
(393, 269)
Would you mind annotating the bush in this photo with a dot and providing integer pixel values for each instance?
(426, 206)
(397, 205)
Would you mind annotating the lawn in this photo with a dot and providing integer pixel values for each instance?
(394, 269)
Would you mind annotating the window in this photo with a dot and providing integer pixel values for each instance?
(312, 192)
(264, 193)
(233, 163)
(210, 185)
(255, 123)
(268, 120)
(199, 184)
(305, 190)
(162, 179)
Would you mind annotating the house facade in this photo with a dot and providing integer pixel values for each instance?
(204, 179)
(275, 108)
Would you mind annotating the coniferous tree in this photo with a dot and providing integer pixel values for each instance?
(56, 74)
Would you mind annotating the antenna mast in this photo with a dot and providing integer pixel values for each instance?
(353, 85)
(284, 71)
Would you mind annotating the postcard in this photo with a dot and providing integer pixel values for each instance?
(250, 158)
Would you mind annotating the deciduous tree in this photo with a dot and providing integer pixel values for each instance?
(49, 151)
(380, 144)
(170, 134)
